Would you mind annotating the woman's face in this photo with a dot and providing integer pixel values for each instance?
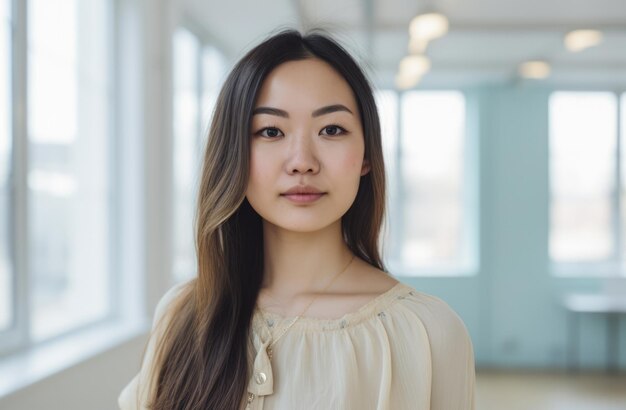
(306, 130)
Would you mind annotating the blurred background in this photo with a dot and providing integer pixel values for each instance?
(504, 138)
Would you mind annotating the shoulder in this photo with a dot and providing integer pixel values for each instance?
(441, 322)
(166, 300)
(431, 306)
(451, 350)
(134, 394)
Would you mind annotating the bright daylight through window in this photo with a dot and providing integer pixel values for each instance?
(69, 175)
(6, 131)
(584, 220)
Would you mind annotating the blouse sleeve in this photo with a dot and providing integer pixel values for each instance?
(134, 395)
(453, 371)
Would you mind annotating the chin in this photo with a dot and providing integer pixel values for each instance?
(300, 225)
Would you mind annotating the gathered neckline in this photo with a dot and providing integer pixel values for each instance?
(346, 320)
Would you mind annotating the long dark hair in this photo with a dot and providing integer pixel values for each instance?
(202, 361)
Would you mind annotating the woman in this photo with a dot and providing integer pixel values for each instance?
(292, 307)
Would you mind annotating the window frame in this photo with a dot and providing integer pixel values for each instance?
(204, 40)
(615, 266)
(469, 261)
(17, 337)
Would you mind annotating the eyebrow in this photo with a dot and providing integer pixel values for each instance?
(320, 111)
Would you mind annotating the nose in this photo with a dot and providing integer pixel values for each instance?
(302, 157)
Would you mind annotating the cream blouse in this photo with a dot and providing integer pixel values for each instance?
(403, 349)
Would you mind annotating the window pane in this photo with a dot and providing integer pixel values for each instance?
(5, 9)
(432, 160)
(582, 175)
(6, 126)
(213, 70)
(623, 169)
(68, 179)
(387, 104)
(186, 137)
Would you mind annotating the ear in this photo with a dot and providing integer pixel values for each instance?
(366, 167)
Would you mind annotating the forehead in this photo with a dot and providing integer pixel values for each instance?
(305, 85)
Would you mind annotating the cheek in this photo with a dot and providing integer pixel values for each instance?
(256, 171)
(352, 159)
(263, 173)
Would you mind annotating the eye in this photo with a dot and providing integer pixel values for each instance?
(269, 132)
(333, 130)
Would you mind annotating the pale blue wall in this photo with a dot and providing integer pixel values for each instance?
(511, 308)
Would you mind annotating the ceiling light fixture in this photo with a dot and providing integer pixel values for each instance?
(578, 40)
(415, 65)
(422, 29)
(534, 69)
(412, 68)
(428, 26)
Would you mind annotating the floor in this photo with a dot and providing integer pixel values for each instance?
(526, 390)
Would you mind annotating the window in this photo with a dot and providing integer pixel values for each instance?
(69, 177)
(213, 70)
(586, 180)
(6, 132)
(68, 189)
(198, 71)
(387, 104)
(622, 168)
(186, 132)
(428, 183)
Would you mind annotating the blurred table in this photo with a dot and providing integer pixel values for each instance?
(612, 307)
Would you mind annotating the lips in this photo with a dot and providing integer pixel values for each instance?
(303, 198)
(303, 190)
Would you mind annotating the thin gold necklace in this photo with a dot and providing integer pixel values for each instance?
(269, 348)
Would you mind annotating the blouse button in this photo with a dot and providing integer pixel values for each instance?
(260, 378)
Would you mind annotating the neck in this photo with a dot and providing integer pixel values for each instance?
(302, 263)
